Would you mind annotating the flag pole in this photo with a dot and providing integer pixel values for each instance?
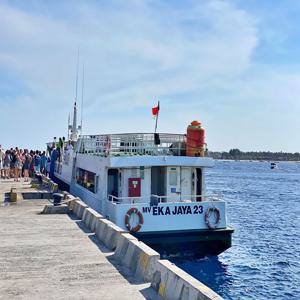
(156, 119)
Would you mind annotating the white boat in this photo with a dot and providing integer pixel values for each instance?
(146, 184)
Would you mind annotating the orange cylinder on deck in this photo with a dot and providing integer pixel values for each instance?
(195, 140)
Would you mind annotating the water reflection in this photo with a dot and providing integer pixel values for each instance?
(210, 271)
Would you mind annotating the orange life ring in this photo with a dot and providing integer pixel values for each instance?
(127, 218)
(208, 212)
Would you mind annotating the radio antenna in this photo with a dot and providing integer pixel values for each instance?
(74, 129)
(77, 75)
(82, 96)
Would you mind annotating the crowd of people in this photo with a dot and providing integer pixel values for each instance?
(18, 163)
(21, 163)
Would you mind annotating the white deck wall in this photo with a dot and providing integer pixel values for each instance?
(181, 216)
(136, 173)
(97, 165)
(130, 167)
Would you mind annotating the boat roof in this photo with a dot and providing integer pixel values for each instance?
(150, 161)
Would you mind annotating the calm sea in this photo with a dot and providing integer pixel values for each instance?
(263, 206)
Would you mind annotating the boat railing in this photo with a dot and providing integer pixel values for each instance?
(155, 199)
(128, 200)
(187, 198)
(132, 144)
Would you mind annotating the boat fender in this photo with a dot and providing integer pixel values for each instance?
(127, 218)
(216, 212)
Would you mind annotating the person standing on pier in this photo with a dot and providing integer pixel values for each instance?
(6, 164)
(54, 156)
(27, 163)
(37, 162)
(12, 164)
(48, 164)
(2, 155)
(43, 162)
(18, 166)
(31, 169)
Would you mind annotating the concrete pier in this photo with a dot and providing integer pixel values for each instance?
(73, 252)
(57, 256)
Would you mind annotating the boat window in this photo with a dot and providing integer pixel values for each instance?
(86, 179)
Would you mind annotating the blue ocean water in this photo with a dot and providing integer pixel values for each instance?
(263, 206)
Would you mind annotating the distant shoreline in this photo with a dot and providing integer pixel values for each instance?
(255, 160)
(263, 156)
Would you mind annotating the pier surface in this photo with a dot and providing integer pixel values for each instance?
(57, 257)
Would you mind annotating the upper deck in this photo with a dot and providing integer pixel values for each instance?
(128, 144)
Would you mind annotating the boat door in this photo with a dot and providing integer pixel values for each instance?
(113, 182)
(197, 183)
(186, 183)
(173, 183)
(158, 181)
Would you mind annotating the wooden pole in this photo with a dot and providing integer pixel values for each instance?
(156, 119)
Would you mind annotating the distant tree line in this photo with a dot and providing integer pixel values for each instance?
(237, 154)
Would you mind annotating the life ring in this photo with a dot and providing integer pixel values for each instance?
(127, 218)
(208, 213)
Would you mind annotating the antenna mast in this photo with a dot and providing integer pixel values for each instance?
(73, 135)
(82, 97)
(77, 74)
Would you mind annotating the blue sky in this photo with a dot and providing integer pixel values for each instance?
(234, 65)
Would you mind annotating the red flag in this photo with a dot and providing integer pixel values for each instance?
(155, 110)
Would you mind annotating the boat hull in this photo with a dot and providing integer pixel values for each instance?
(196, 243)
(62, 185)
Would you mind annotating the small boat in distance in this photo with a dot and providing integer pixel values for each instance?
(274, 165)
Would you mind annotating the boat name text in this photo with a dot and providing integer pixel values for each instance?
(177, 210)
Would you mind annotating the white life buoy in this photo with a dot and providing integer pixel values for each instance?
(208, 213)
(130, 227)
